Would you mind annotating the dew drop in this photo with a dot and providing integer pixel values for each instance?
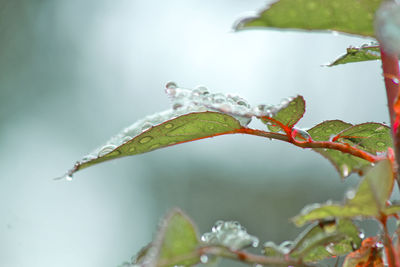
(126, 139)
(350, 194)
(168, 126)
(69, 177)
(361, 235)
(106, 149)
(379, 245)
(203, 258)
(146, 126)
(200, 90)
(145, 139)
(395, 80)
(171, 85)
(345, 170)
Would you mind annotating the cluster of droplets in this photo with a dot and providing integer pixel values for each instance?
(230, 234)
(201, 99)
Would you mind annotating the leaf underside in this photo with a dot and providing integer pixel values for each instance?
(358, 54)
(176, 237)
(289, 115)
(319, 241)
(348, 16)
(369, 199)
(370, 137)
(326, 239)
(182, 129)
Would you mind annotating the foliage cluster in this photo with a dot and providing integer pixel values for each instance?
(368, 149)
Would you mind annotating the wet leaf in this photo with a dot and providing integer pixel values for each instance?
(177, 237)
(182, 129)
(358, 54)
(348, 16)
(370, 254)
(370, 137)
(326, 239)
(289, 115)
(368, 200)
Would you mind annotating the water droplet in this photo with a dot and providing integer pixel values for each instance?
(203, 258)
(335, 33)
(200, 90)
(381, 144)
(171, 85)
(168, 126)
(126, 139)
(361, 235)
(106, 149)
(219, 98)
(68, 177)
(146, 126)
(379, 245)
(145, 139)
(331, 248)
(345, 170)
(350, 194)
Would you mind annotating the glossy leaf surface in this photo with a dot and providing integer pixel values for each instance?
(368, 200)
(369, 137)
(348, 16)
(182, 129)
(289, 115)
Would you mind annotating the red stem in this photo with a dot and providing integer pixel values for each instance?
(391, 74)
(391, 255)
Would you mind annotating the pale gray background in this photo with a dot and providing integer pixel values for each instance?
(73, 73)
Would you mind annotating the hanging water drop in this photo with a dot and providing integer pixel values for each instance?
(147, 125)
(69, 177)
(350, 194)
(171, 85)
(204, 258)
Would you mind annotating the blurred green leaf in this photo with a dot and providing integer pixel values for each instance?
(392, 209)
(270, 249)
(348, 16)
(177, 237)
(288, 115)
(370, 137)
(369, 200)
(326, 239)
(182, 129)
(358, 54)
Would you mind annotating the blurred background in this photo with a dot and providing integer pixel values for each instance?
(73, 73)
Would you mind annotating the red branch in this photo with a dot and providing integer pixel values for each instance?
(391, 74)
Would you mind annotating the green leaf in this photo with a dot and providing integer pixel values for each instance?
(185, 128)
(176, 238)
(358, 54)
(326, 239)
(369, 200)
(370, 137)
(288, 115)
(348, 16)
